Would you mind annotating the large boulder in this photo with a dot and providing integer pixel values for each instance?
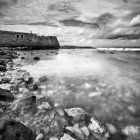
(12, 130)
(6, 95)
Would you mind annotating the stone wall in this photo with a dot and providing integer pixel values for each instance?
(27, 40)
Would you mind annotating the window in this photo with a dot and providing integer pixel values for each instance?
(17, 36)
(22, 36)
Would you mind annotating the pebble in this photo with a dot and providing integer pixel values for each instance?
(54, 138)
(131, 130)
(76, 113)
(44, 105)
(85, 130)
(67, 137)
(111, 128)
(40, 136)
(95, 127)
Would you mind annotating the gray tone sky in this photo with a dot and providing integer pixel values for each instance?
(76, 22)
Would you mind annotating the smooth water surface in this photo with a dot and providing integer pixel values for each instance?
(106, 85)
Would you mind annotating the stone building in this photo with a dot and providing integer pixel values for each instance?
(27, 40)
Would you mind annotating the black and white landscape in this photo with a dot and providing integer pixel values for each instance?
(69, 70)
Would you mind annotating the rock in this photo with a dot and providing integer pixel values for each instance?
(29, 81)
(67, 137)
(40, 136)
(36, 58)
(54, 138)
(44, 105)
(4, 81)
(97, 129)
(22, 57)
(76, 132)
(85, 131)
(76, 114)
(12, 130)
(6, 95)
(2, 63)
(3, 68)
(43, 79)
(133, 132)
(35, 87)
(26, 76)
(26, 105)
(111, 128)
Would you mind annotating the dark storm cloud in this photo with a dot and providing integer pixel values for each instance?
(77, 23)
(42, 24)
(105, 18)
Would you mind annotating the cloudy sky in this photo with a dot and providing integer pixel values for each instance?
(74, 22)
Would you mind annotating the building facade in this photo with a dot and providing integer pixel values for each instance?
(27, 40)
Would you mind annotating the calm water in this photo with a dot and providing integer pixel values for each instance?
(105, 85)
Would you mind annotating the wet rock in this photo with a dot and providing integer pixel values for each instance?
(3, 68)
(54, 138)
(111, 128)
(22, 57)
(97, 129)
(4, 81)
(44, 105)
(12, 130)
(43, 79)
(26, 76)
(133, 132)
(67, 137)
(36, 58)
(35, 87)
(6, 95)
(76, 132)
(30, 80)
(24, 106)
(76, 114)
(40, 136)
(85, 131)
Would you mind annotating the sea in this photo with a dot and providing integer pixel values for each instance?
(105, 84)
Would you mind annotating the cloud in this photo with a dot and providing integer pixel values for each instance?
(77, 23)
(135, 20)
(73, 21)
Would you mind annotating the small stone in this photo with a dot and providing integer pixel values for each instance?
(6, 95)
(85, 130)
(93, 94)
(132, 109)
(36, 58)
(40, 136)
(67, 137)
(111, 128)
(2, 68)
(43, 79)
(54, 138)
(96, 127)
(131, 130)
(76, 113)
(44, 105)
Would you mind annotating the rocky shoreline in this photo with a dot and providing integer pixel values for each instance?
(26, 116)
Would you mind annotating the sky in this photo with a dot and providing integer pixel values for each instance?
(74, 22)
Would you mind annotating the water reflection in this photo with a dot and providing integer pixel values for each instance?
(105, 85)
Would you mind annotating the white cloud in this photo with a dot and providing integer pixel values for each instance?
(135, 20)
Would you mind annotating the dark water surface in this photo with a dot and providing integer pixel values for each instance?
(105, 85)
